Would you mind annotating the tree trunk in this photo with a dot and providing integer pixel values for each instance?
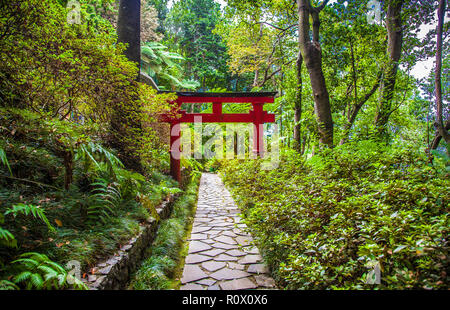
(129, 28)
(437, 138)
(256, 78)
(312, 56)
(353, 112)
(298, 106)
(68, 167)
(125, 125)
(394, 51)
(441, 130)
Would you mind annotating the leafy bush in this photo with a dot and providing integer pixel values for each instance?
(321, 223)
(101, 208)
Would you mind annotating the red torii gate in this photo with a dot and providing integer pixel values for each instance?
(257, 116)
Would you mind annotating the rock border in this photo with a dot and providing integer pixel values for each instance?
(114, 272)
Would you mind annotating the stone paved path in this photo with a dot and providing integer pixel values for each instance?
(221, 255)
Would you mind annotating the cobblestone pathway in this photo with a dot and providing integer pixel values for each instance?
(221, 255)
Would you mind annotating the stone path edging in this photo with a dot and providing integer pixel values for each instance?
(114, 273)
(221, 254)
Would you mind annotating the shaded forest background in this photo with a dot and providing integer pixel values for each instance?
(364, 173)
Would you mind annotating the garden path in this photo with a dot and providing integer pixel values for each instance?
(221, 254)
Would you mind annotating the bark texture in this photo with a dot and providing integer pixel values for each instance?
(129, 28)
(298, 106)
(441, 130)
(394, 51)
(125, 123)
(312, 56)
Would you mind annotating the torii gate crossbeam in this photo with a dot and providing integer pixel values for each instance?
(257, 116)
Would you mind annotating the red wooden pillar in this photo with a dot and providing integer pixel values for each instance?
(217, 108)
(175, 152)
(258, 129)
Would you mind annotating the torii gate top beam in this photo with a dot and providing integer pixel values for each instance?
(257, 99)
(257, 116)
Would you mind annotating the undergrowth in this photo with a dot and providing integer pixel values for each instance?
(162, 267)
(326, 222)
(65, 194)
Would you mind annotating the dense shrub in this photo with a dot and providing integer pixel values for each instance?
(90, 214)
(321, 223)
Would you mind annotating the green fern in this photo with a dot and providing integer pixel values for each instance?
(104, 199)
(130, 183)
(7, 238)
(37, 271)
(6, 285)
(27, 210)
(4, 160)
(93, 155)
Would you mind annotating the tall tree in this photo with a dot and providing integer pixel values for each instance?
(312, 56)
(190, 30)
(298, 106)
(394, 29)
(129, 28)
(125, 122)
(442, 131)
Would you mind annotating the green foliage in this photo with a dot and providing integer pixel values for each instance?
(105, 198)
(190, 33)
(160, 270)
(26, 210)
(163, 66)
(4, 160)
(93, 154)
(37, 271)
(7, 238)
(34, 270)
(212, 165)
(6, 285)
(194, 167)
(322, 222)
(441, 159)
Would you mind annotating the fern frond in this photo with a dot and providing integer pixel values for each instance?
(39, 272)
(22, 276)
(62, 279)
(8, 285)
(48, 272)
(27, 262)
(36, 280)
(57, 267)
(4, 160)
(7, 238)
(26, 210)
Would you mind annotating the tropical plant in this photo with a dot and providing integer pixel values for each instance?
(37, 271)
(6, 285)
(194, 167)
(28, 209)
(92, 155)
(105, 198)
(324, 222)
(159, 271)
(162, 65)
(6, 237)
